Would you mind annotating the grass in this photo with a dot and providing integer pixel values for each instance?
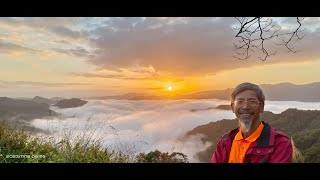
(17, 145)
(297, 156)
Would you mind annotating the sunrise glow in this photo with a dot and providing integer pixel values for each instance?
(89, 57)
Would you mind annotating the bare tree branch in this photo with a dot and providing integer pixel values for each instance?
(254, 32)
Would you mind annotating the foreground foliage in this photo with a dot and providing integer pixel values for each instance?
(18, 146)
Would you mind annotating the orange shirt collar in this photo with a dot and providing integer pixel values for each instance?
(253, 136)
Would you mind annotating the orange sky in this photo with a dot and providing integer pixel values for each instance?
(80, 57)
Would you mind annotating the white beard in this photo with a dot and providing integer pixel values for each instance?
(245, 126)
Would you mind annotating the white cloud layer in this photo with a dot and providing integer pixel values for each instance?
(147, 125)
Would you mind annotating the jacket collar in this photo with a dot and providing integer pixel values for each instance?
(265, 139)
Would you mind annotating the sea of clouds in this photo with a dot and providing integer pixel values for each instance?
(136, 126)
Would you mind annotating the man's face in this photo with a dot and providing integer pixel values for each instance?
(247, 108)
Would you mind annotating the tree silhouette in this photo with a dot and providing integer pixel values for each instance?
(162, 157)
(254, 32)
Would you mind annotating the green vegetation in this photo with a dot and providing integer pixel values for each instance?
(17, 145)
(159, 157)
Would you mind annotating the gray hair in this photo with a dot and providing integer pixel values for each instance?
(248, 86)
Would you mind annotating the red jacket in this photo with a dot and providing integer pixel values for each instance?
(272, 146)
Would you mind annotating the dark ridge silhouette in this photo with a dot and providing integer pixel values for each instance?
(224, 107)
(70, 103)
(206, 109)
(39, 99)
(23, 109)
(56, 99)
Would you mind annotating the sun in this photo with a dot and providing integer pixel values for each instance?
(169, 88)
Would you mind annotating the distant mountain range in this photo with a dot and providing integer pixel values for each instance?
(57, 101)
(33, 108)
(39, 99)
(276, 92)
(292, 92)
(24, 109)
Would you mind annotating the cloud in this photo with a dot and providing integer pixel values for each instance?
(66, 32)
(147, 125)
(182, 46)
(12, 36)
(131, 73)
(138, 76)
(194, 46)
(61, 26)
(185, 46)
(17, 84)
(14, 49)
(280, 106)
(48, 32)
(107, 76)
(78, 52)
(151, 88)
(10, 21)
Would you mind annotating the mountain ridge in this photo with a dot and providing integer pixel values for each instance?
(274, 92)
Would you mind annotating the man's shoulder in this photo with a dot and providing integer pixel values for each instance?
(277, 132)
(231, 133)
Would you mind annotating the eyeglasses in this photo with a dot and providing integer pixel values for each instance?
(250, 102)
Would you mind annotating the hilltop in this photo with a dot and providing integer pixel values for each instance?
(23, 109)
(70, 103)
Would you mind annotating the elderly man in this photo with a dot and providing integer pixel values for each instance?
(254, 141)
